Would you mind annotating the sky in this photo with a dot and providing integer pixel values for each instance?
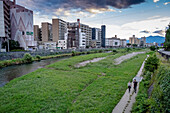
(123, 18)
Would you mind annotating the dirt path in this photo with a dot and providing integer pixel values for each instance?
(125, 57)
(126, 102)
(89, 61)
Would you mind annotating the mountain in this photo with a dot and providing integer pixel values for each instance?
(157, 39)
(151, 39)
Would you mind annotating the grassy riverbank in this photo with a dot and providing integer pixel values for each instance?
(154, 93)
(18, 61)
(60, 87)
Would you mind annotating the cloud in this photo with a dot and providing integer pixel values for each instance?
(145, 31)
(91, 6)
(160, 32)
(155, 1)
(166, 3)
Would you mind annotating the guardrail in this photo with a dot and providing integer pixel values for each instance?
(165, 54)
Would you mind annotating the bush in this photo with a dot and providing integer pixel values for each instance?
(100, 51)
(28, 58)
(88, 52)
(152, 48)
(38, 57)
(128, 49)
(73, 53)
(114, 51)
(152, 63)
(167, 46)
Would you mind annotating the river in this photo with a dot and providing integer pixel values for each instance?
(9, 73)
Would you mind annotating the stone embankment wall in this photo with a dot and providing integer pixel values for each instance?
(13, 55)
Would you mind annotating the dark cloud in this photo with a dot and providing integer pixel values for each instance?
(145, 31)
(160, 32)
(83, 5)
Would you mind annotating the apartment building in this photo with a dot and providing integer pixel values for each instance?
(37, 33)
(134, 40)
(73, 35)
(137, 41)
(96, 38)
(88, 31)
(59, 29)
(4, 21)
(115, 42)
(103, 35)
(46, 30)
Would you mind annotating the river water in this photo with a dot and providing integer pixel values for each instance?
(9, 73)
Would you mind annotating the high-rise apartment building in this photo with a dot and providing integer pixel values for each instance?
(4, 21)
(46, 32)
(88, 31)
(134, 40)
(59, 29)
(73, 35)
(37, 33)
(103, 35)
(96, 37)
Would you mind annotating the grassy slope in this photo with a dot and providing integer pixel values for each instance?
(74, 90)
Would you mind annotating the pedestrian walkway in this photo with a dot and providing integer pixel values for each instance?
(126, 102)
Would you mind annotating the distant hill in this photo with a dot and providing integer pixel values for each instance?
(151, 39)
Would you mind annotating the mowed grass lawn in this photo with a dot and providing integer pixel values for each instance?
(61, 87)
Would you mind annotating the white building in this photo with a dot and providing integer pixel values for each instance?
(82, 40)
(62, 44)
(123, 42)
(115, 42)
(49, 45)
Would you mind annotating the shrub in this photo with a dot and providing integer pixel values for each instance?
(128, 49)
(38, 57)
(114, 51)
(88, 52)
(73, 53)
(100, 51)
(152, 48)
(28, 58)
(152, 63)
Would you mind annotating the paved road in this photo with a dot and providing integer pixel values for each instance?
(126, 102)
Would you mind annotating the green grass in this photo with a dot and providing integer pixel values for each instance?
(67, 89)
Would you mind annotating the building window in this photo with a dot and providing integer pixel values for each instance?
(116, 43)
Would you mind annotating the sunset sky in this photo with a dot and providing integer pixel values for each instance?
(121, 17)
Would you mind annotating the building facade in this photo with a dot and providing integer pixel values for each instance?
(46, 32)
(73, 35)
(115, 42)
(5, 32)
(96, 35)
(103, 35)
(22, 26)
(134, 40)
(59, 30)
(37, 33)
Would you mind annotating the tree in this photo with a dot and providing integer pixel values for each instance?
(152, 48)
(128, 44)
(167, 40)
(12, 45)
(134, 45)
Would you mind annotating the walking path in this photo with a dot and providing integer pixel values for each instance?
(126, 102)
(125, 57)
(89, 61)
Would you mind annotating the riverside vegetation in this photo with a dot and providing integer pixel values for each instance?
(61, 87)
(24, 60)
(153, 95)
